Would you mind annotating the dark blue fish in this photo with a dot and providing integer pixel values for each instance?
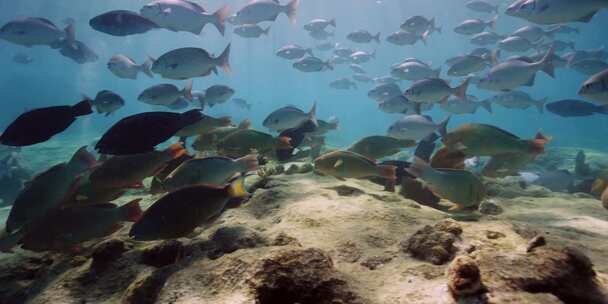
(122, 23)
(575, 108)
(40, 125)
(79, 52)
(142, 132)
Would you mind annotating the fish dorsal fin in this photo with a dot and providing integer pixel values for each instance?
(501, 131)
(587, 19)
(338, 163)
(44, 20)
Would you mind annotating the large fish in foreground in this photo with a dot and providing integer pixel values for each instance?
(178, 213)
(64, 229)
(346, 164)
(461, 187)
(48, 190)
(142, 132)
(186, 63)
(556, 11)
(40, 125)
(266, 10)
(486, 140)
(182, 15)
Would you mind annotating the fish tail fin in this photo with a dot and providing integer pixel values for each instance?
(145, 67)
(492, 23)
(443, 127)
(248, 163)
(82, 108)
(131, 212)
(266, 31)
(540, 105)
(418, 167)
(333, 120)
(292, 8)
(218, 18)
(377, 37)
(187, 91)
(176, 150)
(461, 90)
(245, 124)
(224, 60)
(309, 52)
(284, 142)
(329, 65)
(70, 35)
(332, 22)
(487, 105)
(237, 188)
(83, 159)
(547, 63)
(388, 172)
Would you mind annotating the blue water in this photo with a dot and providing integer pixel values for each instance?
(268, 81)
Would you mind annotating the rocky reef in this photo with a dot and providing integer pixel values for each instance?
(305, 238)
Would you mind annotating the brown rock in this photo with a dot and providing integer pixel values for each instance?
(565, 273)
(107, 252)
(374, 262)
(145, 288)
(493, 235)
(349, 252)
(303, 276)
(537, 241)
(463, 277)
(163, 254)
(233, 238)
(434, 244)
(284, 239)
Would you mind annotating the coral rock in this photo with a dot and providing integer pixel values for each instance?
(537, 241)
(106, 252)
(564, 272)
(489, 208)
(434, 244)
(145, 288)
(463, 277)
(304, 276)
(230, 239)
(166, 253)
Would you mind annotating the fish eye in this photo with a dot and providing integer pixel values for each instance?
(276, 121)
(173, 66)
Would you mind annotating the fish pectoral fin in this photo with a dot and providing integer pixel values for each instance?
(338, 163)
(167, 11)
